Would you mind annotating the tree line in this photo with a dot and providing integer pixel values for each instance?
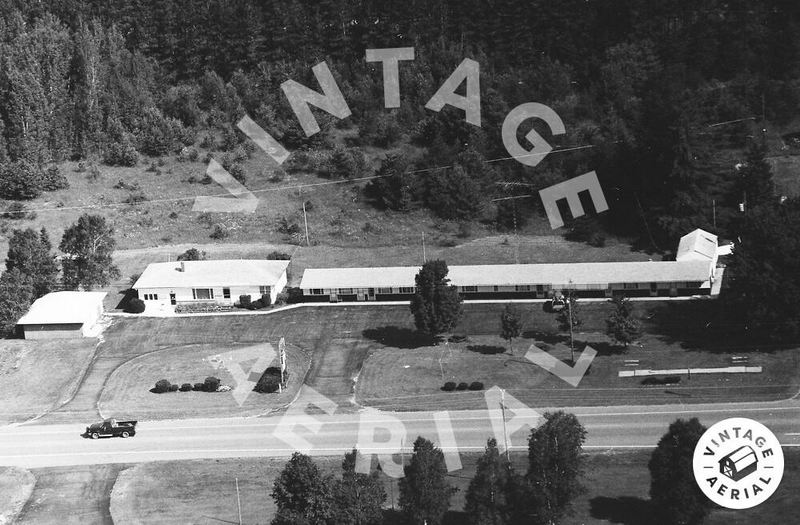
(32, 269)
(497, 494)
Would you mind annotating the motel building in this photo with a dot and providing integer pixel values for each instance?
(168, 284)
(693, 273)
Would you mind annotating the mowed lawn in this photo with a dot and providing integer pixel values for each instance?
(204, 491)
(407, 375)
(127, 391)
(37, 376)
(16, 485)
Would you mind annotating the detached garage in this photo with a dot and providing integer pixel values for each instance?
(63, 315)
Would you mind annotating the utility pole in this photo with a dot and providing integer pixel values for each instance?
(238, 501)
(424, 257)
(571, 343)
(714, 212)
(305, 220)
(505, 431)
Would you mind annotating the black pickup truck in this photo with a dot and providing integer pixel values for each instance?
(111, 428)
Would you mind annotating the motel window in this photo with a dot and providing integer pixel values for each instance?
(384, 290)
(523, 288)
(406, 289)
(469, 289)
(202, 293)
(630, 286)
(151, 297)
(345, 291)
(316, 291)
(540, 288)
(496, 288)
(226, 293)
(263, 290)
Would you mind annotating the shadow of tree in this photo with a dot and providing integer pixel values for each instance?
(127, 295)
(486, 349)
(545, 337)
(623, 509)
(398, 337)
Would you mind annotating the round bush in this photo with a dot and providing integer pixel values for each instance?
(186, 387)
(162, 385)
(135, 306)
(199, 387)
(268, 384)
(462, 386)
(173, 388)
(476, 385)
(211, 384)
(449, 386)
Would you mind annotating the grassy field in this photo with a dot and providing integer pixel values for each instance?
(37, 376)
(128, 388)
(204, 491)
(16, 486)
(407, 375)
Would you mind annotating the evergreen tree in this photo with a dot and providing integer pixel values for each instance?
(490, 497)
(436, 304)
(88, 246)
(393, 187)
(621, 325)
(510, 325)
(302, 494)
(16, 295)
(673, 489)
(555, 465)
(755, 178)
(359, 497)
(29, 252)
(424, 491)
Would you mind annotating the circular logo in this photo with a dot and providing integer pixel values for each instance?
(738, 463)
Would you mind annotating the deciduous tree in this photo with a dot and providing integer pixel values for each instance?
(88, 246)
(555, 465)
(673, 489)
(491, 493)
(424, 491)
(621, 325)
(302, 494)
(510, 325)
(16, 295)
(359, 497)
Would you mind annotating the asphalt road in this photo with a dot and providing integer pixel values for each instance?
(42, 445)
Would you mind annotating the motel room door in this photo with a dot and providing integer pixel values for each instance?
(172, 300)
(371, 294)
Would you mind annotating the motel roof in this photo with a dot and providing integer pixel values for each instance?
(561, 274)
(63, 308)
(698, 245)
(197, 274)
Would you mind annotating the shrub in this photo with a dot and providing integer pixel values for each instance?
(93, 173)
(135, 197)
(20, 180)
(238, 173)
(173, 388)
(244, 301)
(211, 384)
(162, 385)
(220, 232)
(267, 384)
(54, 180)
(476, 385)
(186, 387)
(135, 306)
(121, 154)
(188, 153)
(462, 386)
(192, 254)
(269, 381)
(199, 387)
(449, 386)
(278, 256)
(295, 295)
(173, 215)
(207, 142)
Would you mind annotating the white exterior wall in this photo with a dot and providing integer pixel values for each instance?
(183, 294)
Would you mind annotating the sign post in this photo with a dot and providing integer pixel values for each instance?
(282, 354)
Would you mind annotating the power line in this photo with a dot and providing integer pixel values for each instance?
(308, 185)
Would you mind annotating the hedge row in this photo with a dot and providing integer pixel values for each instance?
(211, 384)
(451, 386)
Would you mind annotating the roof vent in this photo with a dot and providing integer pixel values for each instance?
(182, 268)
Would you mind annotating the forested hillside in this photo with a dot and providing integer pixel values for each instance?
(651, 86)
